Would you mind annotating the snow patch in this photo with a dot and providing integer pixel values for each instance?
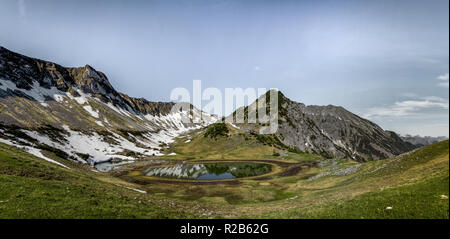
(93, 113)
(134, 189)
(37, 92)
(33, 151)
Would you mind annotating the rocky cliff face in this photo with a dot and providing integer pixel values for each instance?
(25, 72)
(78, 111)
(333, 131)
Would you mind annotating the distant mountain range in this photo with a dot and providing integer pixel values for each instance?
(420, 141)
(77, 113)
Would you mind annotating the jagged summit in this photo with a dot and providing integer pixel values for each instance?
(76, 112)
(50, 84)
(24, 71)
(331, 131)
(35, 93)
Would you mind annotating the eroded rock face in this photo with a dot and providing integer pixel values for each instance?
(34, 92)
(23, 71)
(332, 131)
(76, 113)
(336, 131)
(64, 96)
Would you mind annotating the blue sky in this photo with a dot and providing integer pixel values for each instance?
(387, 61)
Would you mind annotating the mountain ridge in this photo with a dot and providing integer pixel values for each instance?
(77, 113)
(23, 70)
(331, 131)
(420, 141)
(36, 93)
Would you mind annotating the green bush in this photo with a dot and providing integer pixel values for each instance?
(216, 129)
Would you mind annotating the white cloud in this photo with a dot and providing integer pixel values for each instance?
(444, 77)
(444, 80)
(435, 98)
(408, 107)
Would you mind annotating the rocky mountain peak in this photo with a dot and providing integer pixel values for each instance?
(331, 131)
(26, 73)
(91, 81)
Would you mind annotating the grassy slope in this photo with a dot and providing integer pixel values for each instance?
(411, 184)
(419, 200)
(34, 188)
(238, 145)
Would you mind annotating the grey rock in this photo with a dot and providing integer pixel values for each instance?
(420, 141)
(332, 131)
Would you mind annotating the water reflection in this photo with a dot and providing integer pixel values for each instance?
(210, 171)
(108, 166)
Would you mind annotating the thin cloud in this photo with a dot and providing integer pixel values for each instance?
(444, 79)
(408, 107)
(435, 98)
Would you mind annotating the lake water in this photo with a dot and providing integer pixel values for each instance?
(210, 171)
(108, 166)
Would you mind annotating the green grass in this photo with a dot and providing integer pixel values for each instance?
(409, 183)
(238, 144)
(34, 188)
(419, 201)
(412, 184)
(37, 198)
